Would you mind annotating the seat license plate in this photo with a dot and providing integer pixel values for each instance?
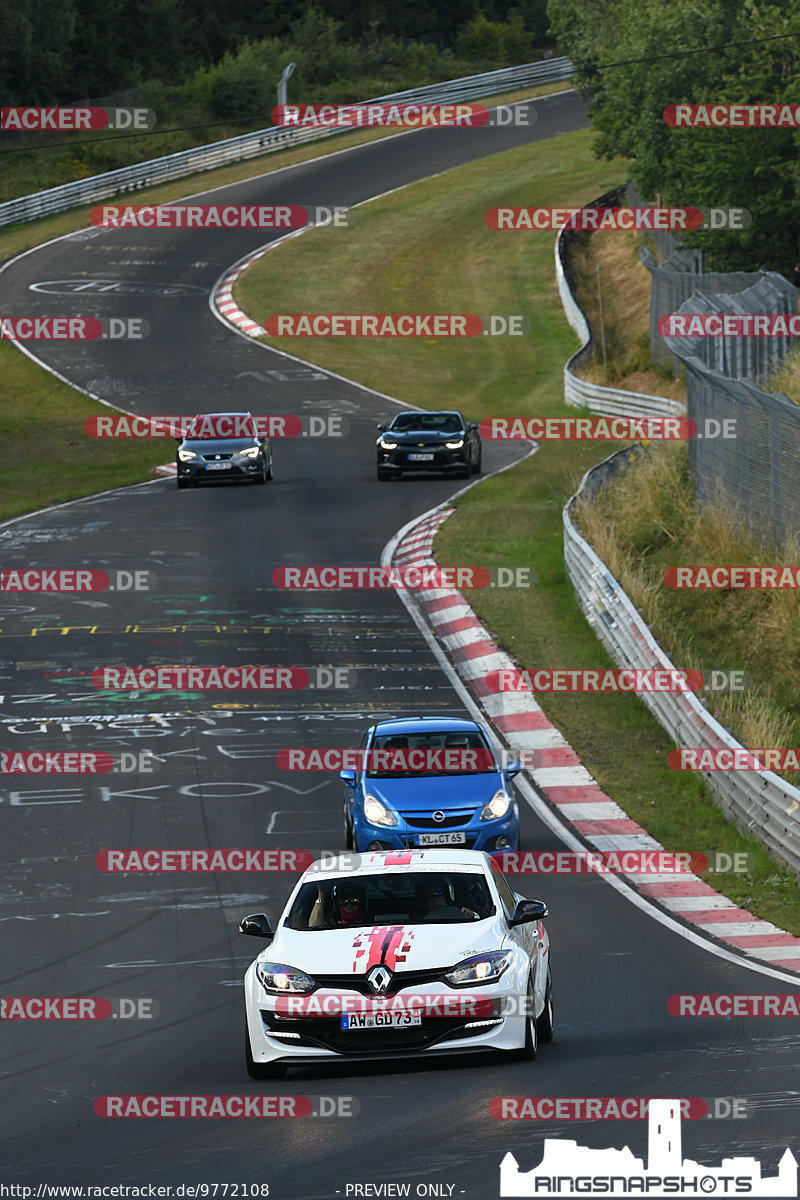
(420, 458)
(381, 1020)
(442, 839)
(218, 466)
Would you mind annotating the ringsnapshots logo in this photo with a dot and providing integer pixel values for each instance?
(569, 1169)
(73, 329)
(60, 120)
(397, 325)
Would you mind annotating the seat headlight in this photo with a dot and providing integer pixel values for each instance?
(186, 455)
(278, 980)
(497, 807)
(483, 968)
(455, 445)
(250, 452)
(377, 813)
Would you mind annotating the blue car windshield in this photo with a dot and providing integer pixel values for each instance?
(442, 752)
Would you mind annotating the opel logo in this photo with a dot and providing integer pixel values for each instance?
(438, 815)
(379, 979)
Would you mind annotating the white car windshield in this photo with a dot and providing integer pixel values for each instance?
(408, 898)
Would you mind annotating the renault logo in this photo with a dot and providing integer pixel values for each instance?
(379, 978)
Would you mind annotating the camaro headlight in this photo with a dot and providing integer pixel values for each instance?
(278, 979)
(378, 813)
(483, 968)
(186, 455)
(497, 807)
(250, 452)
(386, 444)
(455, 445)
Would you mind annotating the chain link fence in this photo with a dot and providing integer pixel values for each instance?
(751, 463)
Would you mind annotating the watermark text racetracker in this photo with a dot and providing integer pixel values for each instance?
(226, 1106)
(408, 115)
(53, 120)
(639, 218)
(233, 679)
(604, 429)
(73, 329)
(612, 1108)
(78, 1008)
(59, 579)
(415, 576)
(217, 425)
(219, 216)
(76, 762)
(155, 861)
(402, 325)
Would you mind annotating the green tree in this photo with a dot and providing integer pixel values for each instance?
(755, 168)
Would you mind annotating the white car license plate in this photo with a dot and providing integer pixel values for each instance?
(218, 466)
(442, 839)
(420, 458)
(381, 1020)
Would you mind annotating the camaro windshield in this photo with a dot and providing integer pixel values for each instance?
(442, 752)
(404, 898)
(426, 423)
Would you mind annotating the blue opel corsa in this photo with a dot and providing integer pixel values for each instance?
(429, 782)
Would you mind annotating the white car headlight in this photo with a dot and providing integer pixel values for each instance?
(250, 452)
(386, 444)
(186, 455)
(483, 968)
(497, 807)
(455, 445)
(378, 813)
(278, 979)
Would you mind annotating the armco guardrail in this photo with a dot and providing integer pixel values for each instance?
(758, 801)
(579, 393)
(264, 141)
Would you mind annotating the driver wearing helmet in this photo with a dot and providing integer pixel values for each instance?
(349, 901)
(436, 892)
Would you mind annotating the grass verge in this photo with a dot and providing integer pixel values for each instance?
(427, 249)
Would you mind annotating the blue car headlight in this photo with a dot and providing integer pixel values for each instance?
(377, 813)
(497, 807)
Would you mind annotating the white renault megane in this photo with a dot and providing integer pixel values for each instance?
(395, 953)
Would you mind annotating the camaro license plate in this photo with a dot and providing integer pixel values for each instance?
(381, 1020)
(218, 466)
(442, 839)
(420, 458)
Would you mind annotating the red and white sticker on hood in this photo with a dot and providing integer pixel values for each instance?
(387, 945)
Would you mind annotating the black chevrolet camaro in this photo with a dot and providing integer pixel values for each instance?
(429, 441)
(220, 447)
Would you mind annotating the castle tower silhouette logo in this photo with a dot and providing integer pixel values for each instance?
(568, 1169)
